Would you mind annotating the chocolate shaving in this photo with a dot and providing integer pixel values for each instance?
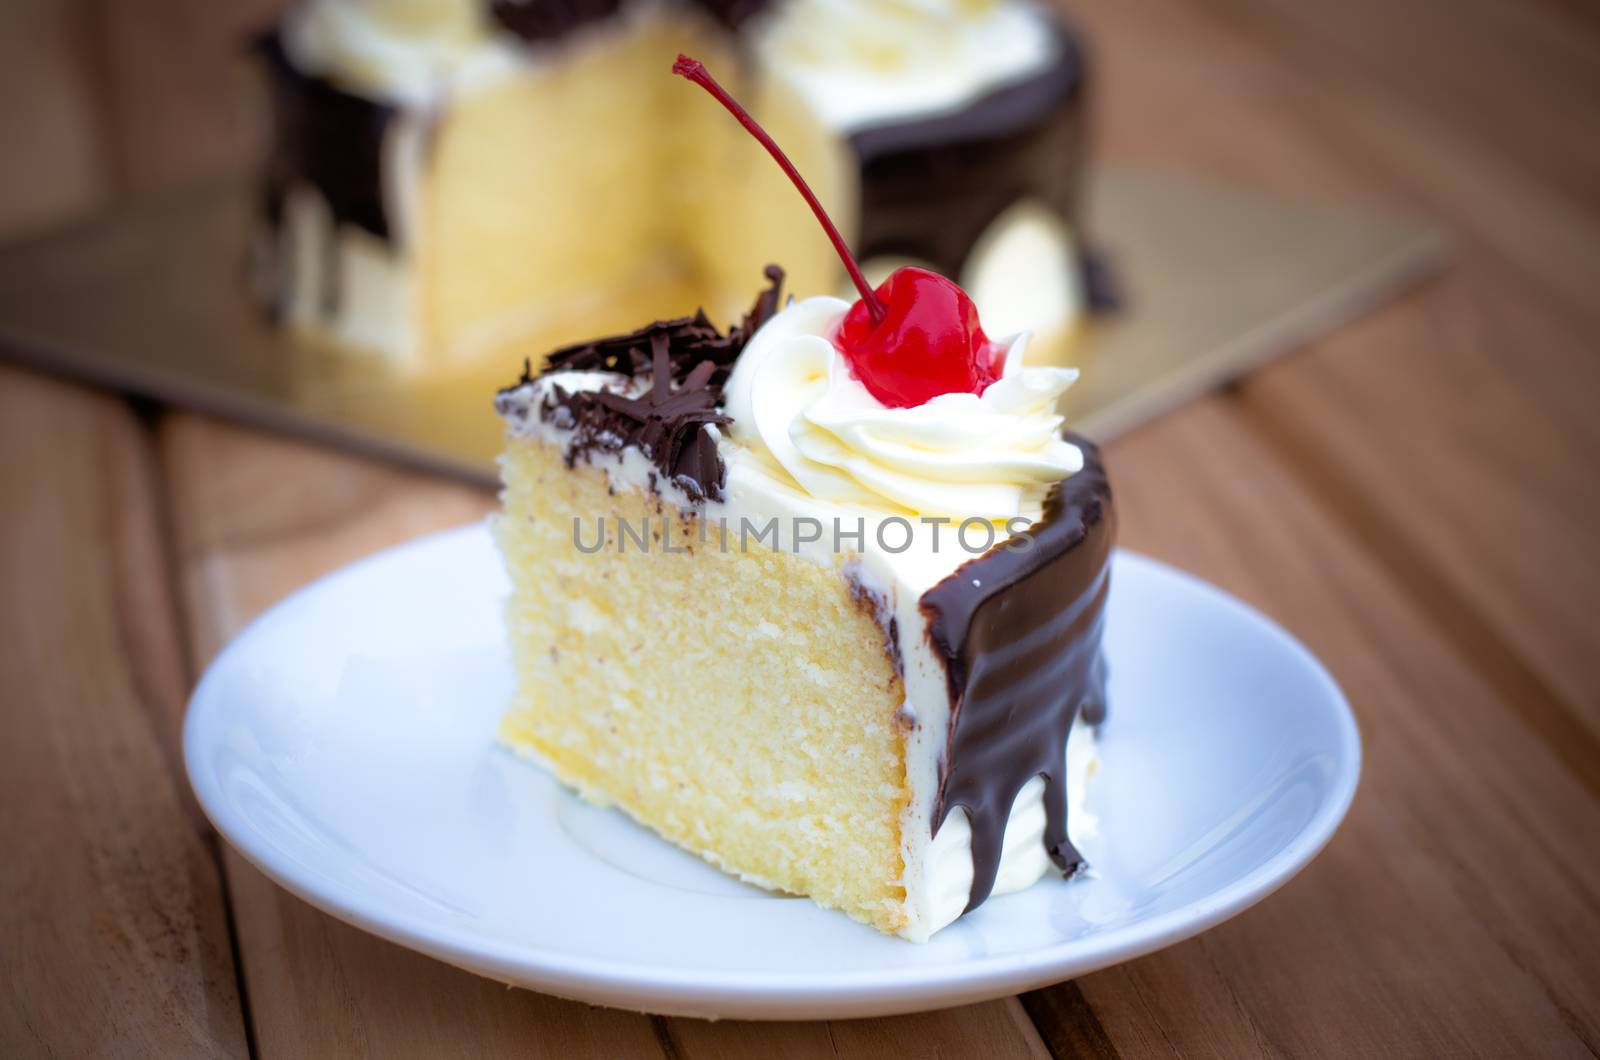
(687, 362)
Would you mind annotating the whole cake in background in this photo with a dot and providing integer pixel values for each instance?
(819, 598)
(459, 179)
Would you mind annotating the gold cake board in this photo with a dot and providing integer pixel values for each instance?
(152, 300)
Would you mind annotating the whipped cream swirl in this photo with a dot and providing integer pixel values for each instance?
(401, 50)
(865, 62)
(795, 402)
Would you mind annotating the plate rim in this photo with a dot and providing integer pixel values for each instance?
(766, 994)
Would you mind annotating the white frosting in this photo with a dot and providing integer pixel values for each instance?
(858, 62)
(760, 488)
(994, 456)
(403, 51)
(869, 62)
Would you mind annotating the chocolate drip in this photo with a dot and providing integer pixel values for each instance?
(732, 13)
(687, 361)
(544, 20)
(931, 187)
(548, 20)
(1019, 633)
(328, 138)
(331, 140)
(1101, 288)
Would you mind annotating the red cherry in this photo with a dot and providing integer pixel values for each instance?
(928, 343)
(917, 336)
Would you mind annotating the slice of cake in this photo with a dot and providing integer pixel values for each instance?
(819, 598)
(427, 196)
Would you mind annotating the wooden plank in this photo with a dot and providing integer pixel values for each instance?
(50, 118)
(1490, 77)
(1476, 653)
(116, 939)
(100, 100)
(1473, 485)
(318, 987)
(996, 1029)
(180, 101)
(256, 516)
(1453, 426)
(1454, 913)
(1465, 418)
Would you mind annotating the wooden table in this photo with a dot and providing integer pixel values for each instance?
(1417, 498)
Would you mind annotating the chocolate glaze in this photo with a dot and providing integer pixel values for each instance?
(331, 140)
(930, 187)
(544, 20)
(733, 13)
(547, 20)
(1101, 287)
(1019, 634)
(328, 138)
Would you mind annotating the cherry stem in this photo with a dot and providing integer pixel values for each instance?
(695, 70)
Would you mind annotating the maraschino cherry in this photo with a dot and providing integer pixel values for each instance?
(917, 336)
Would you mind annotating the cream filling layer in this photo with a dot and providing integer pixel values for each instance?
(759, 495)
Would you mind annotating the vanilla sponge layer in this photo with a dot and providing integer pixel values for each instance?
(741, 703)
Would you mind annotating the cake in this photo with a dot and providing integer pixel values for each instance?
(819, 597)
(428, 194)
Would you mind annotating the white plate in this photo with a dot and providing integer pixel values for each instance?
(344, 743)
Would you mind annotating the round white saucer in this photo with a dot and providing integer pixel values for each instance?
(344, 744)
